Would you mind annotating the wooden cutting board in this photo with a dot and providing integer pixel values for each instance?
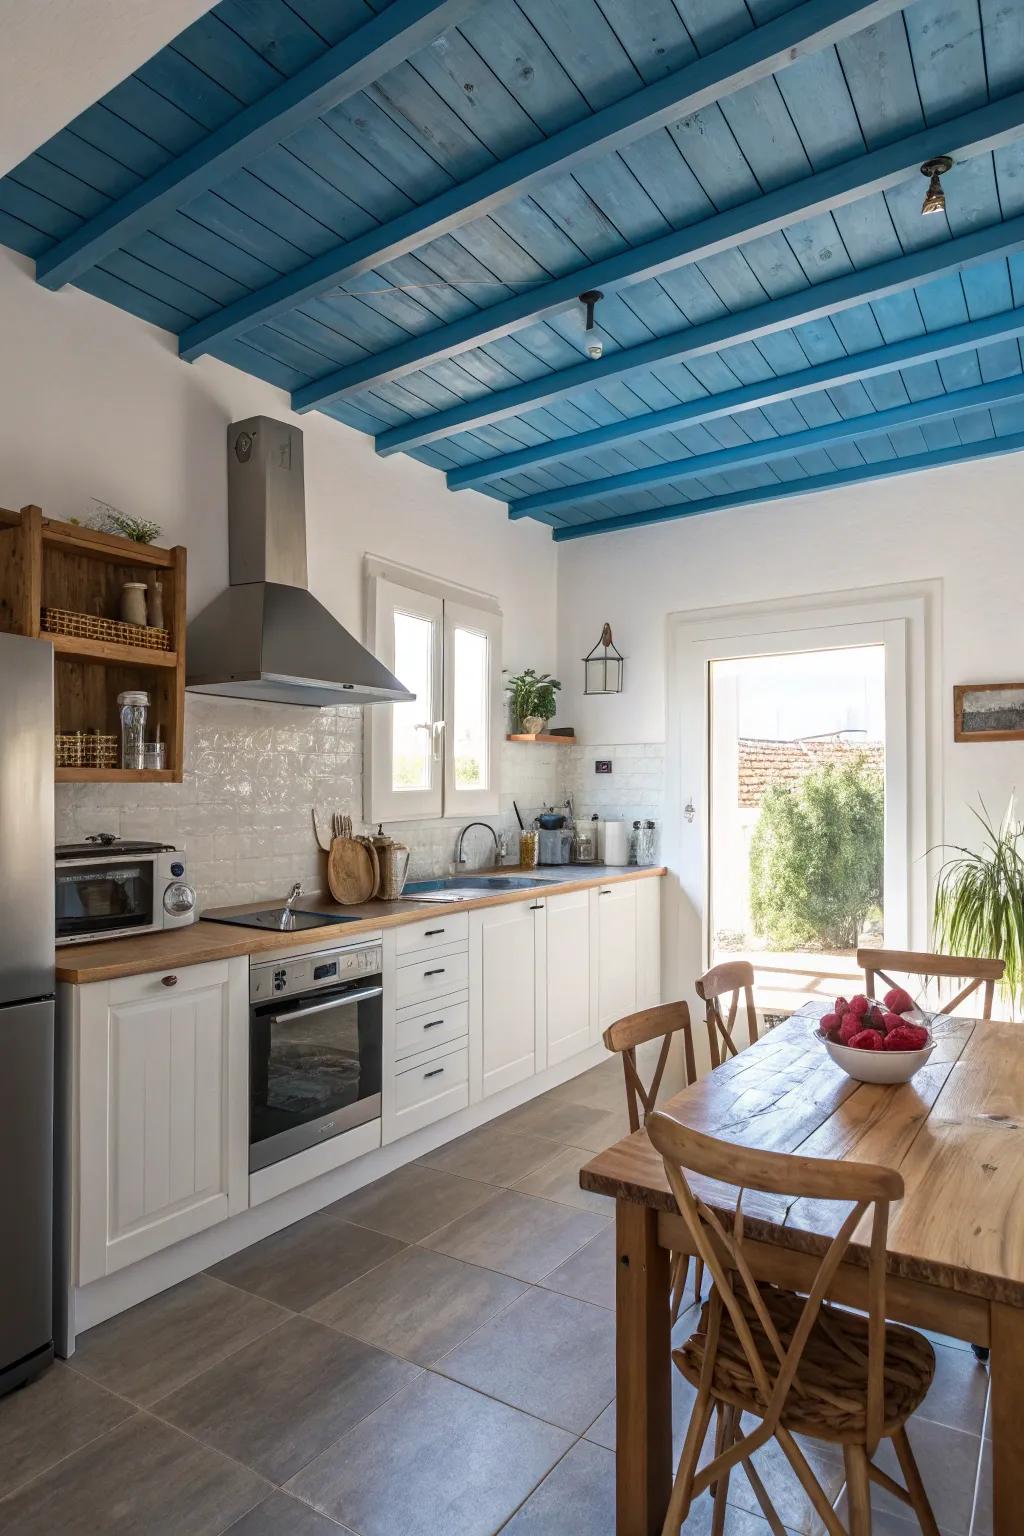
(352, 871)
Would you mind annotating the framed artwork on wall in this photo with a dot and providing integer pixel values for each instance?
(988, 712)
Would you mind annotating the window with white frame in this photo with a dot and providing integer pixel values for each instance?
(438, 754)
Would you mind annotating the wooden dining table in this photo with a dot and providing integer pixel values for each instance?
(956, 1240)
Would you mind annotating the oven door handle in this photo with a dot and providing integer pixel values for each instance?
(336, 1002)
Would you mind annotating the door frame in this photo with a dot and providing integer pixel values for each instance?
(907, 619)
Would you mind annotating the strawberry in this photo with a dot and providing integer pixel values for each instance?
(829, 1025)
(898, 1001)
(907, 1037)
(841, 1006)
(867, 1040)
(859, 1005)
(891, 1021)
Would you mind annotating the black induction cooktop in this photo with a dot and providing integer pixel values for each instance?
(269, 919)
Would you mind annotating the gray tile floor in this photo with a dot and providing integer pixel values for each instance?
(432, 1356)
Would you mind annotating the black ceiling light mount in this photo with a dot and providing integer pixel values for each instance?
(935, 198)
(590, 301)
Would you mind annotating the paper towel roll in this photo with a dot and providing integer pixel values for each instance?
(616, 842)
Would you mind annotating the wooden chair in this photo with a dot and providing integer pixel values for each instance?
(734, 976)
(623, 1037)
(792, 1362)
(879, 962)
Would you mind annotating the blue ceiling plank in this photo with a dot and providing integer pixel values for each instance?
(347, 68)
(814, 25)
(779, 314)
(998, 392)
(961, 454)
(878, 360)
(976, 133)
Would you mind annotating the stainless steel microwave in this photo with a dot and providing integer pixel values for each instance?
(110, 888)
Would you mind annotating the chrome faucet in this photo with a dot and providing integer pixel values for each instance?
(287, 915)
(460, 857)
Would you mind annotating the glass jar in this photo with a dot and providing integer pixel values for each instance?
(529, 848)
(134, 707)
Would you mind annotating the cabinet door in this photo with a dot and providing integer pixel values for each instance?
(164, 1111)
(568, 975)
(504, 990)
(648, 943)
(615, 967)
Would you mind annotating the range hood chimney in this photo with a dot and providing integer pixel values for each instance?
(266, 637)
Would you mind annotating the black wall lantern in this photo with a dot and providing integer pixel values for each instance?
(602, 669)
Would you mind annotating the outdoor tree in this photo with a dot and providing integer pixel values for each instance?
(816, 857)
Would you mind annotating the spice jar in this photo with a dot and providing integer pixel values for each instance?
(529, 849)
(134, 707)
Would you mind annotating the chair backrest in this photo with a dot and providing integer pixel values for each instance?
(721, 1245)
(734, 976)
(636, 1029)
(880, 962)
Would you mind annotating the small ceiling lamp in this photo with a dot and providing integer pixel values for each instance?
(602, 668)
(935, 198)
(595, 346)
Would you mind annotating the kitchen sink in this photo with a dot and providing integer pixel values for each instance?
(467, 887)
(280, 919)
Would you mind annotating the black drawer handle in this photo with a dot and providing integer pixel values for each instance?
(538, 906)
(438, 972)
(432, 933)
(433, 1023)
(436, 1072)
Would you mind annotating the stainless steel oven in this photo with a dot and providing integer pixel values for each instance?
(314, 1048)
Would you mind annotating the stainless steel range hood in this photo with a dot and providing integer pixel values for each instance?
(266, 636)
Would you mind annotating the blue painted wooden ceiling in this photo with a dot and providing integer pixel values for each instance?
(389, 209)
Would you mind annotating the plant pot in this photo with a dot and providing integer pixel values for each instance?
(532, 725)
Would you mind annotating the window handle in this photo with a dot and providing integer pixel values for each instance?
(437, 740)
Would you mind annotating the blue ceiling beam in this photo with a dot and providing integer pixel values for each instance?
(785, 386)
(760, 320)
(808, 28)
(872, 424)
(349, 67)
(987, 129)
(964, 453)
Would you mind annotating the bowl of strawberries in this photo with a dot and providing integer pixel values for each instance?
(876, 1042)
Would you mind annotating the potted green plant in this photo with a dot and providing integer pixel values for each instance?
(531, 700)
(979, 900)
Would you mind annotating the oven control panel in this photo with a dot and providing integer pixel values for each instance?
(310, 973)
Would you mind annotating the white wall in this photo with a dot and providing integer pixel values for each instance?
(96, 404)
(962, 525)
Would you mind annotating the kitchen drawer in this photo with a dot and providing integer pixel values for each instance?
(433, 976)
(451, 928)
(431, 1090)
(420, 1028)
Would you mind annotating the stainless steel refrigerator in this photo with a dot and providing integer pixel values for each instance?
(26, 1008)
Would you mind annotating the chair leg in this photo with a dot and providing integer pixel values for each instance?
(915, 1486)
(727, 1426)
(679, 1503)
(680, 1265)
(858, 1489)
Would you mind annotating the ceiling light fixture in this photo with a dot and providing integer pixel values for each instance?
(935, 198)
(595, 346)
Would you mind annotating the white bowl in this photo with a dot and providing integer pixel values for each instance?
(876, 1066)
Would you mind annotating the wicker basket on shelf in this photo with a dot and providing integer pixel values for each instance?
(88, 626)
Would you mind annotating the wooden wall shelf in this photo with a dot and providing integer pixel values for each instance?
(548, 741)
(46, 563)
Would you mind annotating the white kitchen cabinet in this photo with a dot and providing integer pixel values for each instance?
(507, 995)
(162, 1065)
(570, 997)
(648, 943)
(614, 967)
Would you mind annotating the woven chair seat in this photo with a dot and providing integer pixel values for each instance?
(828, 1397)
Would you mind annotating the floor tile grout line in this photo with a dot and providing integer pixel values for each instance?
(92, 1441)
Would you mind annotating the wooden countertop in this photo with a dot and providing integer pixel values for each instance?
(204, 941)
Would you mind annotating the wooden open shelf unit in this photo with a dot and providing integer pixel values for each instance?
(49, 564)
(544, 740)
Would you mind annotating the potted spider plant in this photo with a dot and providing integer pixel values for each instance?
(979, 899)
(531, 700)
